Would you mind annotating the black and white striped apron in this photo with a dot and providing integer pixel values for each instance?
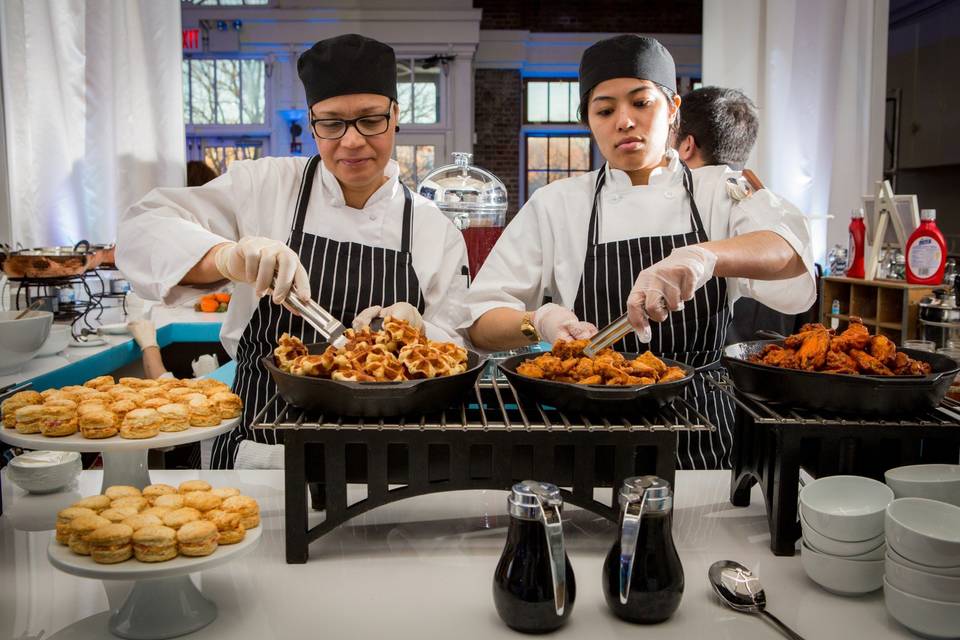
(694, 335)
(345, 278)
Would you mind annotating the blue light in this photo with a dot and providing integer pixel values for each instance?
(291, 116)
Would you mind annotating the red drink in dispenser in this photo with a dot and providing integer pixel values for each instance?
(474, 199)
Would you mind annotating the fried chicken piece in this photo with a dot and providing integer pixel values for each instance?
(530, 370)
(813, 352)
(591, 380)
(812, 326)
(883, 349)
(869, 365)
(856, 336)
(639, 368)
(839, 361)
(671, 374)
(564, 349)
(652, 361)
(584, 369)
(785, 358)
(904, 365)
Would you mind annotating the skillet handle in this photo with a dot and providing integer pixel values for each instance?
(770, 335)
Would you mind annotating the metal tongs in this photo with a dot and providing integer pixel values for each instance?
(607, 336)
(320, 319)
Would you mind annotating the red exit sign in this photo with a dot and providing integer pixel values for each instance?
(191, 39)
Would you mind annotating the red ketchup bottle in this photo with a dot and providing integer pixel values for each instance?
(926, 251)
(857, 247)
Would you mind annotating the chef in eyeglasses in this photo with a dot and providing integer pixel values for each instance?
(338, 227)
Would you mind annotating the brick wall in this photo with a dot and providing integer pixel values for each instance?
(498, 119)
(610, 16)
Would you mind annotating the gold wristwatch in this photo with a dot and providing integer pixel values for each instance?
(527, 327)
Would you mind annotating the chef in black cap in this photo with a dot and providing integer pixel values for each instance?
(646, 236)
(338, 227)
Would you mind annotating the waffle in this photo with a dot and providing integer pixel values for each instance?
(395, 353)
(288, 350)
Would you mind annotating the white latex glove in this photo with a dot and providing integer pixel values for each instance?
(667, 285)
(255, 260)
(398, 310)
(144, 333)
(554, 322)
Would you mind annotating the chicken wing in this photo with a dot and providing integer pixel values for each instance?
(813, 352)
(868, 364)
(856, 336)
(883, 349)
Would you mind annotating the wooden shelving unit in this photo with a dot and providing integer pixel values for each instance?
(887, 307)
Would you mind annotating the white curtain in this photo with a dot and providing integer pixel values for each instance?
(817, 71)
(93, 113)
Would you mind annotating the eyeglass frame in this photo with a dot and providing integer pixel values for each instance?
(352, 122)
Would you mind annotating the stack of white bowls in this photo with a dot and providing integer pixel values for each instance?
(841, 518)
(934, 481)
(922, 583)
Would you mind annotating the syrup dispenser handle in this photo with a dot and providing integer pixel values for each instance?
(632, 515)
(553, 528)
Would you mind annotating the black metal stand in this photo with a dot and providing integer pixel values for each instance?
(489, 442)
(772, 443)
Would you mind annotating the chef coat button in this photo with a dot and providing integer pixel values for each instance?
(373, 217)
(668, 194)
(614, 198)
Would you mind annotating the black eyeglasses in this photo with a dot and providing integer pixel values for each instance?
(334, 129)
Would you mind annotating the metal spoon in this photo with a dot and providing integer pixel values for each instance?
(738, 588)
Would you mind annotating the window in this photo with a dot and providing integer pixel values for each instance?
(224, 91)
(551, 101)
(551, 157)
(219, 152)
(416, 161)
(418, 91)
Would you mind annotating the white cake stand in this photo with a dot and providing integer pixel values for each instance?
(164, 602)
(124, 461)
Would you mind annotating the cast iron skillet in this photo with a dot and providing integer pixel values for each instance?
(374, 399)
(860, 395)
(591, 398)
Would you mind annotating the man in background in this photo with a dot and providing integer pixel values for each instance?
(719, 126)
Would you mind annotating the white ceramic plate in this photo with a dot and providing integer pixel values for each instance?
(77, 442)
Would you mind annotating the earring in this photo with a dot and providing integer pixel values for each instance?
(397, 128)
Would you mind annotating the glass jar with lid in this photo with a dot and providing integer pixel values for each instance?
(474, 199)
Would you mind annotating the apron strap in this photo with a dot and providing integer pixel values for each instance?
(303, 199)
(594, 228)
(407, 220)
(694, 212)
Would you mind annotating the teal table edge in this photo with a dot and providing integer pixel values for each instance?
(119, 355)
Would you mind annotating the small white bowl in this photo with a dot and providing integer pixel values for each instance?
(949, 572)
(56, 342)
(21, 339)
(921, 583)
(925, 531)
(845, 508)
(44, 471)
(931, 618)
(872, 549)
(932, 481)
(840, 575)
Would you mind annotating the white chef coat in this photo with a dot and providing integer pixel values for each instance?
(542, 250)
(165, 234)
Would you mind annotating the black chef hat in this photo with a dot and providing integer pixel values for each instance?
(627, 56)
(347, 65)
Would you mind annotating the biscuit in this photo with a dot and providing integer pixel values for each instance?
(179, 517)
(247, 507)
(197, 538)
(140, 423)
(58, 421)
(80, 528)
(111, 544)
(203, 413)
(141, 520)
(154, 543)
(97, 503)
(65, 517)
(29, 418)
(153, 491)
(99, 381)
(176, 417)
(194, 485)
(169, 501)
(225, 492)
(98, 423)
(228, 404)
(118, 514)
(201, 500)
(121, 491)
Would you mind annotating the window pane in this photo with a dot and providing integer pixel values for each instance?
(425, 160)
(228, 91)
(186, 91)
(537, 102)
(574, 101)
(559, 102)
(405, 158)
(535, 180)
(404, 91)
(253, 91)
(202, 91)
(536, 153)
(558, 155)
(557, 175)
(426, 105)
(580, 153)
